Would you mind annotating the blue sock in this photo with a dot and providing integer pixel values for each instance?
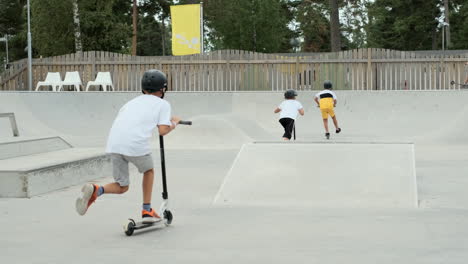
(147, 207)
(100, 191)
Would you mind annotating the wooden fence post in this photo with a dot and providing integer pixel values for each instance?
(369, 69)
(239, 70)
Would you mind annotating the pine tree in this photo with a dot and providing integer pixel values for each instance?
(105, 25)
(459, 24)
(314, 26)
(11, 23)
(354, 22)
(403, 25)
(52, 27)
(255, 25)
(153, 36)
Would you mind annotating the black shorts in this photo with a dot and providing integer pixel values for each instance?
(288, 124)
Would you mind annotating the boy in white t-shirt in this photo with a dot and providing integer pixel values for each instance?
(288, 110)
(129, 142)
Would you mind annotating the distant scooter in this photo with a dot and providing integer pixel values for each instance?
(132, 225)
(462, 85)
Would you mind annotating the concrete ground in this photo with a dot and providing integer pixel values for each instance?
(46, 228)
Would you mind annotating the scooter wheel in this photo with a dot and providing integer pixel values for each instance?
(129, 227)
(168, 216)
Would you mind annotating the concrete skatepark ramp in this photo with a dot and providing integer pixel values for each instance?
(334, 229)
(322, 175)
(227, 120)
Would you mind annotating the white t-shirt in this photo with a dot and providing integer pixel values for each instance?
(134, 125)
(289, 108)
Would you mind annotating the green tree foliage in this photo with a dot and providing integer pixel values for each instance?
(151, 30)
(459, 24)
(402, 24)
(103, 27)
(314, 26)
(12, 23)
(255, 25)
(10, 16)
(291, 39)
(52, 27)
(313, 17)
(354, 19)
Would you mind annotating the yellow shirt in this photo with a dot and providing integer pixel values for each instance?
(326, 99)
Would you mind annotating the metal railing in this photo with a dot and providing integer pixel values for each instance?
(14, 126)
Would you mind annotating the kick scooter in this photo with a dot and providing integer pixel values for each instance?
(462, 85)
(132, 225)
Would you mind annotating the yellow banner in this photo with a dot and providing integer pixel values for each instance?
(185, 29)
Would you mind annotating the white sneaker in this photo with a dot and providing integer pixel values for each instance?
(89, 196)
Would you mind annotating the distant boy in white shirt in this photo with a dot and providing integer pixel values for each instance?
(326, 101)
(129, 142)
(288, 110)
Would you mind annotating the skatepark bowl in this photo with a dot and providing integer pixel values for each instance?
(390, 188)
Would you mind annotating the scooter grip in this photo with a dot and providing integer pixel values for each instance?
(188, 123)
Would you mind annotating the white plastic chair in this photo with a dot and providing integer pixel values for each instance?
(103, 79)
(73, 79)
(52, 79)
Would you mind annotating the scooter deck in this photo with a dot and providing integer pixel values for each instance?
(141, 224)
(132, 225)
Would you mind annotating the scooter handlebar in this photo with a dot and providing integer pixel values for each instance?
(188, 123)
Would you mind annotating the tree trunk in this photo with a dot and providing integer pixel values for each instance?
(254, 37)
(434, 39)
(134, 39)
(163, 30)
(76, 20)
(335, 26)
(447, 28)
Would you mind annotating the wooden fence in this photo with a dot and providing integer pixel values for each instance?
(232, 70)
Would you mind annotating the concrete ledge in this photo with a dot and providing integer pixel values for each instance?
(322, 175)
(22, 147)
(41, 173)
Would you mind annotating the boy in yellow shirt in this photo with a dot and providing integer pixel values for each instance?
(326, 101)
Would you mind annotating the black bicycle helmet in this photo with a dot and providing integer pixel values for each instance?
(153, 81)
(327, 84)
(290, 94)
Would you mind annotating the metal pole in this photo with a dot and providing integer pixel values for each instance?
(29, 50)
(6, 41)
(202, 48)
(165, 195)
(294, 129)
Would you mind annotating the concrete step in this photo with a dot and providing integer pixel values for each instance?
(31, 175)
(17, 147)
